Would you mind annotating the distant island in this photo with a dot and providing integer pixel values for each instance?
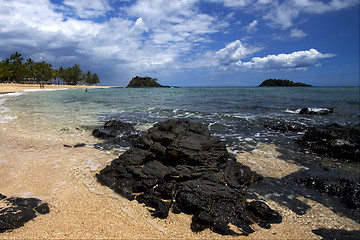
(282, 83)
(144, 82)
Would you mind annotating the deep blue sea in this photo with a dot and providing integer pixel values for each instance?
(235, 114)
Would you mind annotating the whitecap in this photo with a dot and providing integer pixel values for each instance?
(293, 111)
(14, 94)
(43, 90)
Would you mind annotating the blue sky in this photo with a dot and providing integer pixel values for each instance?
(190, 42)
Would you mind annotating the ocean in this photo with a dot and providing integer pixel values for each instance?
(235, 114)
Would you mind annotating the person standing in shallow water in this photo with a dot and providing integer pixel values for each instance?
(86, 90)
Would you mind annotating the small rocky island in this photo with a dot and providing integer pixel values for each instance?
(282, 83)
(144, 82)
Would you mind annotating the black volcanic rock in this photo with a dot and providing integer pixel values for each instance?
(180, 166)
(334, 140)
(18, 211)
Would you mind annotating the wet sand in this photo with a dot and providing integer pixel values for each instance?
(35, 164)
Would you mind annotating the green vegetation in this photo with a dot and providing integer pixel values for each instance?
(143, 82)
(282, 83)
(13, 69)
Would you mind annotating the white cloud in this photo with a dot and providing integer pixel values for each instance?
(237, 3)
(88, 8)
(231, 58)
(294, 61)
(147, 35)
(225, 58)
(297, 33)
(283, 14)
(234, 52)
(158, 36)
(251, 28)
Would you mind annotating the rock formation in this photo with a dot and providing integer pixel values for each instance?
(179, 166)
(143, 82)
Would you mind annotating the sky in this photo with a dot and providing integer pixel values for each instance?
(190, 42)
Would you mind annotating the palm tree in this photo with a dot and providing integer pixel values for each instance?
(29, 69)
(17, 65)
(5, 70)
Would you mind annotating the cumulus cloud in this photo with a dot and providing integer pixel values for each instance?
(234, 52)
(147, 35)
(233, 57)
(299, 60)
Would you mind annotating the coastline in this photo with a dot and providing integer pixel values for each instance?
(38, 165)
(16, 87)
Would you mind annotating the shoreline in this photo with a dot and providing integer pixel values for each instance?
(6, 88)
(34, 164)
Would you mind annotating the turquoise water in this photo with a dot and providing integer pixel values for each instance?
(233, 113)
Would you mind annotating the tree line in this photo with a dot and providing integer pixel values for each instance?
(15, 69)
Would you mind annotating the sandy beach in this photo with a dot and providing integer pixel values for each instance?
(34, 164)
(15, 87)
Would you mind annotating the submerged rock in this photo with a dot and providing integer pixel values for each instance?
(286, 127)
(114, 132)
(316, 111)
(113, 129)
(333, 184)
(18, 211)
(179, 166)
(334, 140)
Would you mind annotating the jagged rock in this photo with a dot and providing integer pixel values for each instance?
(18, 211)
(180, 166)
(334, 140)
